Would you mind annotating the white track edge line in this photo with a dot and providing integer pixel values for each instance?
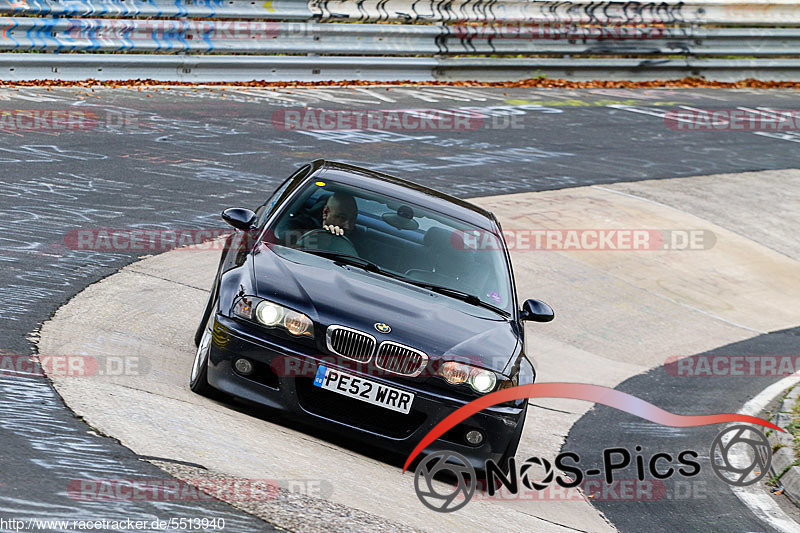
(754, 496)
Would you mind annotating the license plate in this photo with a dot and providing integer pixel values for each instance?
(363, 389)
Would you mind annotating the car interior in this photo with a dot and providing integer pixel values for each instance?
(395, 240)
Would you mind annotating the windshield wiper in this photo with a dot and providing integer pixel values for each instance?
(347, 259)
(372, 267)
(455, 293)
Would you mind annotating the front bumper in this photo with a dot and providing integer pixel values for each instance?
(295, 396)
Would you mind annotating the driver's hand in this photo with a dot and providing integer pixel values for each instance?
(336, 230)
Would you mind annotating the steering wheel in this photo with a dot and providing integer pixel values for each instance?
(322, 239)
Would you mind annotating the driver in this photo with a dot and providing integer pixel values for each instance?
(338, 218)
(339, 214)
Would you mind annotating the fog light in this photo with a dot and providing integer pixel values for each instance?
(243, 366)
(474, 437)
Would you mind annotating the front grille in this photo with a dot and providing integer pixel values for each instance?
(400, 359)
(350, 343)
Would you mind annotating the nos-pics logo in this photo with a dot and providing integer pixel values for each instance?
(740, 455)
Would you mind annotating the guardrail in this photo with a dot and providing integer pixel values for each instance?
(264, 37)
(749, 12)
(194, 9)
(641, 40)
(224, 68)
(563, 12)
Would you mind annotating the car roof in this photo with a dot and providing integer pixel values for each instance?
(406, 190)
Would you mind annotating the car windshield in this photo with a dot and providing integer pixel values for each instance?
(398, 239)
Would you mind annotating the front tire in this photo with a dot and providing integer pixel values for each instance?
(511, 450)
(198, 381)
(209, 310)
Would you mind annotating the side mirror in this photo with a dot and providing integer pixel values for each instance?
(537, 311)
(239, 218)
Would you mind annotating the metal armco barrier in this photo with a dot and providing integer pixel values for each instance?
(266, 37)
(215, 68)
(566, 12)
(264, 9)
(315, 39)
(767, 12)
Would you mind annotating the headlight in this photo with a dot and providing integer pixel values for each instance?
(270, 314)
(481, 381)
(273, 315)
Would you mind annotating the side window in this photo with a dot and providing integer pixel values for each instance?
(265, 210)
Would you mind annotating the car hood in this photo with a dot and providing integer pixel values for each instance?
(335, 293)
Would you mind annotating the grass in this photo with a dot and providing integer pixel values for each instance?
(794, 428)
(776, 480)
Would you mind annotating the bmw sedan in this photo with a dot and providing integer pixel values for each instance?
(372, 306)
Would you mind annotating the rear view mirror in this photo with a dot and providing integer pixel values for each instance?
(537, 311)
(239, 218)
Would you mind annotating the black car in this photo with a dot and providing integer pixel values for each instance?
(371, 306)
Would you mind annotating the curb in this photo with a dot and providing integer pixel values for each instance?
(784, 469)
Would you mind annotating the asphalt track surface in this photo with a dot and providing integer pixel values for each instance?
(173, 159)
(701, 503)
